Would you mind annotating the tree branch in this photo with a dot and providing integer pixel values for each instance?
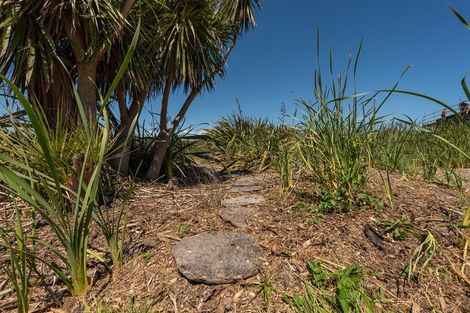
(128, 4)
(165, 99)
(137, 104)
(76, 40)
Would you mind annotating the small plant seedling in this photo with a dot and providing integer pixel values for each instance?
(400, 229)
(146, 254)
(266, 288)
(184, 229)
(316, 214)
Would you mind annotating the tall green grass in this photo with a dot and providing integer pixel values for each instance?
(420, 152)
(335, 149)
(337, 134)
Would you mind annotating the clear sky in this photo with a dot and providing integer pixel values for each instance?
(275, 62)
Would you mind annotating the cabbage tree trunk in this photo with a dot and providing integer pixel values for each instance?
(164, 140)
(87, 89)
(129, 117)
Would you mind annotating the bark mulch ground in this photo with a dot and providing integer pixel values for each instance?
(289, 235)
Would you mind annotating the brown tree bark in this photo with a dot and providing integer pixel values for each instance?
(87, 90)
(87, 65)
(164, 140)
(125, 136)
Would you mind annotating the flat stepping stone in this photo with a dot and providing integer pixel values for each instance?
(243, 200)
(245, 181)
(217, 258)
(237, 189)
(237, 216)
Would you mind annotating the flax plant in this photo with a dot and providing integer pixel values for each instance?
(67, 211)
(70, 229)
(113, 226)
(20, 263)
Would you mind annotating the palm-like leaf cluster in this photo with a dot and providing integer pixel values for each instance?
(43, 43)
(49, 48)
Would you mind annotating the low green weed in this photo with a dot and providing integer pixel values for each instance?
(335, 291)
(400, 229)
(184, 229)
(266, 287)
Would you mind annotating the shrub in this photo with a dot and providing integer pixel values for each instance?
(242, 143)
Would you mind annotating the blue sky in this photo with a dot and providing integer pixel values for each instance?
(275, 62)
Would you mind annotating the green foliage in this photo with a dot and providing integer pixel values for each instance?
(337, 133)
(266, 287)
(66, 209)
(400, 229)
(21, 263)
(337, 291)
(183, 229)
(422, 152)
(71, 230)
(183, 153)
(243, 143)
(285, 166)
(19, 141)
(315, 212)
(113, 226)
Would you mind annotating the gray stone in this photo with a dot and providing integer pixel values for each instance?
(236, 189)
(217, 258)
(245, 181)
(237, 216)
(243, 200)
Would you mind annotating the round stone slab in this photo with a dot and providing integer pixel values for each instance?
(243, 200)
(217, 258)
(237, 216)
